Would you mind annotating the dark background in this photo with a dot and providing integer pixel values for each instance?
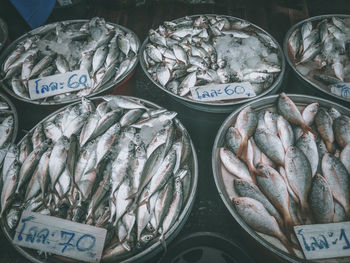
(275, 16)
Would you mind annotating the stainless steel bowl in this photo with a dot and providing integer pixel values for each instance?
(108, 86)
(3, 34)
(223, 107)
(261, 104)
(310, 87)
(15, 116)
(155, 246)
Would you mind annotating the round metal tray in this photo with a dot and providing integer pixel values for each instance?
(215, 107)
(15, 116)
(156, 245)
(307, 82)
(261, 104)
(109, 85)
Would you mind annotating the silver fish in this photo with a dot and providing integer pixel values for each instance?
(234, 165)
(321, 200)
(299, 175)
(338, 179)
(341, 128)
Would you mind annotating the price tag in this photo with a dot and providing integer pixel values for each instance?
(341, 89)
(58, 84)
(60, 236)
(229, 91)
(324, 240)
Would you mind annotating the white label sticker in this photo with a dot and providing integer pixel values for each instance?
(229, 91)
(324, 240)
(58, 84)
(341, 89)
(64, 2)
(60, 236)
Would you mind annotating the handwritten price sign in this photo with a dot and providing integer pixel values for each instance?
(229, 91)
(324, 240)
(58, 84)
(341, 89)
(61, 237)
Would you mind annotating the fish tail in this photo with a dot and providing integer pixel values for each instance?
(306, 129)
(132, 196)
(329, 146)
(287, 244)
(242, 147)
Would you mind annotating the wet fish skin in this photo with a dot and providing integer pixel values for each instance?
(345, 157)
(275, 189)
(299, 175)
(10, 185)
(310, 112)
(30, 164)
(234, 165)
(338, 178)
(307, 144)
(58, 159)
(285, 132)
(233, 139)
(258, 218)
(324, 124)
(341, 127)
(270, 144)
(248, 189)
(291, 113)
(246, 123)
(321, 200)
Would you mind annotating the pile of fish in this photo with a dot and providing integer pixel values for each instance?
(105, 50)
(7, 127)
(291, 166)
(195, 51)
(321, 51)
(120, 165)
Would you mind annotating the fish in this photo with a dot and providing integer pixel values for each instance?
(341, 127)
(285, 132)
(233, 139)
(324, 124)
(299, 176)
(307, 144)
(338, 178)
(234, 165)
(344, 157)
(10, 185)
(321, 200)
(275, 189)
(310, 112)
(270, 144)
(291, 113)
(257, 217)
(58, 159)
(248, 189)
(246, 123)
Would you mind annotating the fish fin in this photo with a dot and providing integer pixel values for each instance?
(242, 147)
(162, 241)
(257, 172)
(132, 196)
(306, 129)
(145, 201)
